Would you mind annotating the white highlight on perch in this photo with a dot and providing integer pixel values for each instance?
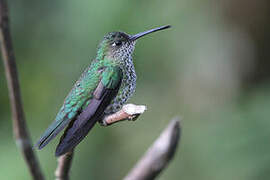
(128, 112)
(133, 109)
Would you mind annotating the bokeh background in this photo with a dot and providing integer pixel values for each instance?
(211, 68)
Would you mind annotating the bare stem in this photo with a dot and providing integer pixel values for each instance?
(158, 155)
(64, 165)
(21, 134)
(128, 112)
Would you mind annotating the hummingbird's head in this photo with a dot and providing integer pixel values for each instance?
(119, 45)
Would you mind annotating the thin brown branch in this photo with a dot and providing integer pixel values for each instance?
(64, 165)
(158, 155)
(19, 126)
(128, 112)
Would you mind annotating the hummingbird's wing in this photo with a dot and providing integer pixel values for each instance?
(73, 103)
(104, 93)
(76, 100)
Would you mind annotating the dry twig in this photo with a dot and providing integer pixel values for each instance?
(19, 126)
(128, 112)
(158, 155)
(64, 165)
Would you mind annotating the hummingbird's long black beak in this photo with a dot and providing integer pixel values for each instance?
(141, 34)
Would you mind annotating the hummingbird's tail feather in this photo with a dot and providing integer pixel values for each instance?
(51, 132)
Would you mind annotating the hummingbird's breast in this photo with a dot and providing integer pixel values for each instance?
(127, 87)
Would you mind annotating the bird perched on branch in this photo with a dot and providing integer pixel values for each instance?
(101, 90)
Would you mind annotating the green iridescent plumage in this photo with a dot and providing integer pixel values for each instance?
(101, 90)
(79, 97)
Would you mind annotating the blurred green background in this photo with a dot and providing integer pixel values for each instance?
(211, 68)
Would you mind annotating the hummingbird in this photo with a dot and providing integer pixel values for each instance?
(102, 89)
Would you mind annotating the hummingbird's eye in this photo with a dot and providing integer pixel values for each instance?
(117, 43)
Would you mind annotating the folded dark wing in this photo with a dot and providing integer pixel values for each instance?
(103, 95)
(73, 103)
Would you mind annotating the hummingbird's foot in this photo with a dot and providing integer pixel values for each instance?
(129, 112)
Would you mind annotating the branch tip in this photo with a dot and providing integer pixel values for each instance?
(158, 155)
(128, 112)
